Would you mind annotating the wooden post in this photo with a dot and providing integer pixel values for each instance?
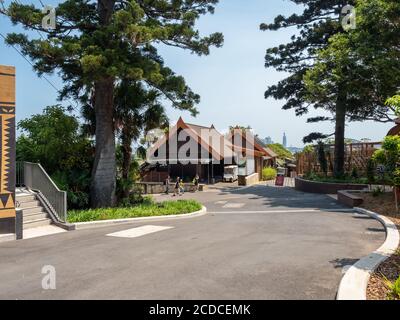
(7, 149)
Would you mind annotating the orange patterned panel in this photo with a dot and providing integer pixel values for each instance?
(7, 142)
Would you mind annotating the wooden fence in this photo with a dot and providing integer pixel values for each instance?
(356, 157)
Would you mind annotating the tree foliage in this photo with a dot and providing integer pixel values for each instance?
(364, 64)
(319, 21)
(280, 150)
(315, 25)
(96, 44)
(348, 74)
(53, 139)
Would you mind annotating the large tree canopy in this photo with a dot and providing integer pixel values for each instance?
(319, 21)
(349, 74)
(364, 63)
(97, 43)
(315, 25)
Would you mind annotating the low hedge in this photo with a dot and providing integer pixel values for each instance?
(269, 173)
(143, 210)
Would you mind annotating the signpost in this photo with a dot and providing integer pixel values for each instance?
(280, 181)
(7, 150)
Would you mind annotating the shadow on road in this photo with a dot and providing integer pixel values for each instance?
(340, 263)
(284, 197)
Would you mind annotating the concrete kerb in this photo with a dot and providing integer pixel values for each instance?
(7, 237)
(354, 283)
(108, 223)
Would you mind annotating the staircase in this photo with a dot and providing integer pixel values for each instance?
(34, 215)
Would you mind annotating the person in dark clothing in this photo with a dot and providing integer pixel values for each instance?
(177, 187)
(196, 182)
(167, 182)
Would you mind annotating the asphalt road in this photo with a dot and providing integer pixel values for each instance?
(257, 243)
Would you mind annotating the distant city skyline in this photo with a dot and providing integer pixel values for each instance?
(284, 140)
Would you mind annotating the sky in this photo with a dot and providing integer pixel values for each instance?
(231, 80)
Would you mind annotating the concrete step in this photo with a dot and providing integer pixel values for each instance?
(29, 204)
(36, 223)
(32, 210)
(25, 198)
(35, 216)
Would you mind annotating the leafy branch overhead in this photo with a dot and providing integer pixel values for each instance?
(349, 74)
(84, 50)
(98, 47)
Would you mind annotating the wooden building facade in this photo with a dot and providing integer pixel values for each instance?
(188, 150)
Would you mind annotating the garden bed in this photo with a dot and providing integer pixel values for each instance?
(390, 269)
(310, 186)
(166, 208)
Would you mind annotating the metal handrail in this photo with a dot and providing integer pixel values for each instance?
(36, 178)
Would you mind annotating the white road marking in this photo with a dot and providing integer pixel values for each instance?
(221, 202)
(138, 232)
(233, 205)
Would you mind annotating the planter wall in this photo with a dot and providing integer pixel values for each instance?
(249, 180)
(159, 187)
(350, 198)
(325, 187)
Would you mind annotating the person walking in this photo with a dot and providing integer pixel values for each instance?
(196, 183)
(167, 182)
(181, 187)
(176, 187)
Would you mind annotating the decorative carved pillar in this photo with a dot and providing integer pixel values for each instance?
(7, 149)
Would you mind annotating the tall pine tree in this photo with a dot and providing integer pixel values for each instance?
(364, 62)
(319, 21)
(98, 43)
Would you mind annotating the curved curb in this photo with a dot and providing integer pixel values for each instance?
(354, 283)
(114, 222)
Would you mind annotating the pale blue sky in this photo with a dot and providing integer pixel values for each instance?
(231, 81)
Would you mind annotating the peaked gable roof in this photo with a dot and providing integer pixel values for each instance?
(259, 149)
(195, 131)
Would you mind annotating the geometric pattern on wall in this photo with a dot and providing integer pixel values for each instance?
(7, 142)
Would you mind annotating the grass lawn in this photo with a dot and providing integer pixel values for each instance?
(144, 210)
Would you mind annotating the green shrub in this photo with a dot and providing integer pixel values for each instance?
(269, 173)
(394, 289)
(54, 139)
(345, 179)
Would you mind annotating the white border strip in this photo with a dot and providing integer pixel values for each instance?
(314, 210)
(107, 223)
(354, 283)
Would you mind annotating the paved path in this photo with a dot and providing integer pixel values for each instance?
(256, 243)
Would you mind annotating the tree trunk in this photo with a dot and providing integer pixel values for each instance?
(103, 184)
(338, 167)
